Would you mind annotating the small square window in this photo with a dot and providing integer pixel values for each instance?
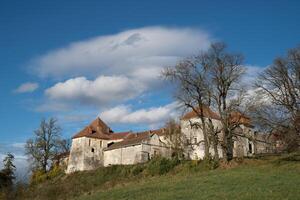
(187, 141)
(93, 150)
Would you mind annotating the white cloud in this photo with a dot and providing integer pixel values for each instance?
(52, 106)
(155, 115)
(19, 145)
(125, 53)
(251, 74)
(27, 87)
(102, 90)
(110, 69)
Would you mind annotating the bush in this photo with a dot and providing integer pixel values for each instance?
(160, 165)
(210, 163)
(39, 176)
(137, 169)
(55, 172)
(293, 157)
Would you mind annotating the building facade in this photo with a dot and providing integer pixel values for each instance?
(97, 145)
(247, 142)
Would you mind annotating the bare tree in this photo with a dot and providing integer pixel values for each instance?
(210, 80)
(174, 138)
(64, 145)
(43, 147)
(279, 100)
(190, 79)
(224, 71)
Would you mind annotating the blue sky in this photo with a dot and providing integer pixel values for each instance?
(75, 60)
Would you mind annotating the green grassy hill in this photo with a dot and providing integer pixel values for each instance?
(264, 178)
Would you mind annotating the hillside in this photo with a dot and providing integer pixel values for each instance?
(264, 178)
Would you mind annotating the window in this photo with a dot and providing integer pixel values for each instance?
(195, 140)
(93, 150)
(109, 144)
(250, 148)
(187, 141)
(89, 142)
(156, 152)
(100, 143)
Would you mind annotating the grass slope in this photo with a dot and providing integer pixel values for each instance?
(267, 178)
(259, 181)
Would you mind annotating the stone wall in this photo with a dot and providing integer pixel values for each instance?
(123, 156)
(138, 153)
(245, 145)
(194, 139)
(86, 154)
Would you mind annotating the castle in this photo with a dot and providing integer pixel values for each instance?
(97, 145)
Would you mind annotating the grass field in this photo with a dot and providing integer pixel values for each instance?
(264, 178)
(254, 181)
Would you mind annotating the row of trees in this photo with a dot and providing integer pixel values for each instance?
(212, 80)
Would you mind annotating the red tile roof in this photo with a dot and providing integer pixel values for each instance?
(98, 129)
(133, 139)
(136, 138)
(239, 118)
(236, 117)
(207, 112)
(121, 135)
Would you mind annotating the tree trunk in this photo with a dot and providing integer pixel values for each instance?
(205, 137)
(215, 144)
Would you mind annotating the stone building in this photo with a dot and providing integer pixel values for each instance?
(137, 148)
(87, 146)
(247, 141)
(97, 145)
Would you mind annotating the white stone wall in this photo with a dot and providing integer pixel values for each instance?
(123, 156)
(241, 144)
(241, 147)
(86, 154)
(195, 150)
(155, 146)
(134, 154)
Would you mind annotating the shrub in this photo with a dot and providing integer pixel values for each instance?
(137, 169)
(55, 172)
(160, 165)
(210, 163)
(38, 176)
(292, 157)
